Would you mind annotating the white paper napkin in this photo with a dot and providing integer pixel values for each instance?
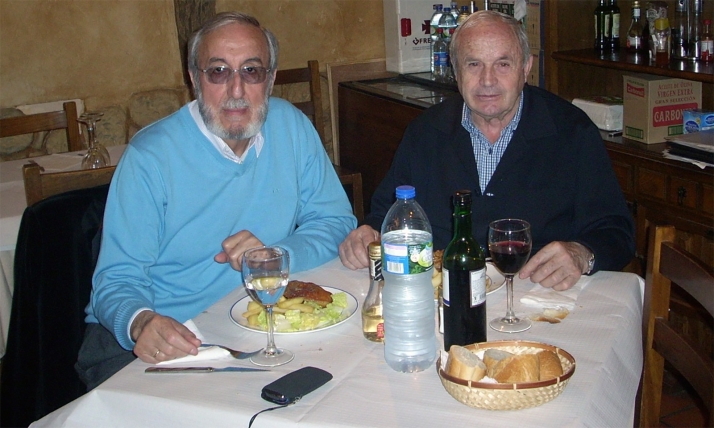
(204, 354)
(544, 298)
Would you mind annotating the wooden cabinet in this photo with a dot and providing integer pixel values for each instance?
(374, 114)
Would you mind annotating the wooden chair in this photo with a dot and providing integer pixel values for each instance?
(667, 264)
(66, 118)
(313, 109)
(39, 186)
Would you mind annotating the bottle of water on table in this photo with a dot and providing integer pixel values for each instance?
(408, 295)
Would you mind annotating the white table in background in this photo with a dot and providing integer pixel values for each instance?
(603, 334)
(12, 205)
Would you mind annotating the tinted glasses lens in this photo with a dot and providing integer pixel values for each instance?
(218, 75)
(253, 74)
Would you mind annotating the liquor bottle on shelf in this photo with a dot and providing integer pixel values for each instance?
(634, 33)
(695, 32)
(408, 295)
(706, 44)
(680, 30)
(463, 280)
(434, 24)
(372, 320)
(614, 23)
(600, 16)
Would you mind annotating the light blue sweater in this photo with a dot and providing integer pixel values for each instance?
(174, 198)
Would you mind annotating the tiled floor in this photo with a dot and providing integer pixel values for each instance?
(680, 407)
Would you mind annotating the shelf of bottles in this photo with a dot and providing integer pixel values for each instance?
(681, 48)
(638, 63)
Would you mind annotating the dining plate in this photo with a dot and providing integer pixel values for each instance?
(497, 279)
(242, 305)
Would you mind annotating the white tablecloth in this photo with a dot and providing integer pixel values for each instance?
(603, 334)
(12, 205)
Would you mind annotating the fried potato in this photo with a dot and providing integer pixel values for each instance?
(288, 303)
(303, 308)
(253, 320)
(250, 312)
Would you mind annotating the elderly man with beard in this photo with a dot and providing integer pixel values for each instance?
(230, 171)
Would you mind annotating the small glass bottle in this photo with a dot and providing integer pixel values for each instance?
(372, 320)
(662, 41)
(706, 43)
(634, 33)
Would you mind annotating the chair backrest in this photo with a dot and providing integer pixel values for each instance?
(666, 264)
(55, 256)
(312, 107)
(66, 118)
(354, 180)
(39, 186)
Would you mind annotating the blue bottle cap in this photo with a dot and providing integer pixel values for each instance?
(406, 192)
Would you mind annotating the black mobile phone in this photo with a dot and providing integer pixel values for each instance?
(293, 386)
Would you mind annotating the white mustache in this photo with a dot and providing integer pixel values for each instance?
(236, 103)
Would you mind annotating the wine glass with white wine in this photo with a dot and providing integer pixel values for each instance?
(265, 276)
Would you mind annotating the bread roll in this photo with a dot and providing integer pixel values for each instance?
(517, 369)
(464, 364)
(493, 356)
(549, 364)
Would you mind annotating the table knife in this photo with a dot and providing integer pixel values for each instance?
(201, 369)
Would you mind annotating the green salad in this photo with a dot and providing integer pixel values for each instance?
(295, 320)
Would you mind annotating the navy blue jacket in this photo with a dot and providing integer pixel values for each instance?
(555, 173)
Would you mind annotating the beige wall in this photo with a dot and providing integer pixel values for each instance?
(102, 51)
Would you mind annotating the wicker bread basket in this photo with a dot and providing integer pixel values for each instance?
(509, 396)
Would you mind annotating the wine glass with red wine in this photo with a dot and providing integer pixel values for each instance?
(509, 242)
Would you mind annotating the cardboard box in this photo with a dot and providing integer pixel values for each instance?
(696, 120)
(407, 36)
(653, 106)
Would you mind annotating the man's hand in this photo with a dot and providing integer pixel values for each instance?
(160, 338)
(353, 250)
(558, 265)
(234, 246)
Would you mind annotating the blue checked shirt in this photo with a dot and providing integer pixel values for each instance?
(487, 155)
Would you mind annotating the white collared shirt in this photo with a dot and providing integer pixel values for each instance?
(218, 142)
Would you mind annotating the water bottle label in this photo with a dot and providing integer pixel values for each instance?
(440, 59)
(406, 259)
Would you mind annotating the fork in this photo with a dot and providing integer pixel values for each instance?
(239, 355)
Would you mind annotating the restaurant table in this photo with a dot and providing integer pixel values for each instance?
(603, 333)
(13, 204)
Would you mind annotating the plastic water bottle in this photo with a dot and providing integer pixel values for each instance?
(435, 17)
(440, 58)
(455, 10)
(447, 21)
(448, 24)
(408, 295)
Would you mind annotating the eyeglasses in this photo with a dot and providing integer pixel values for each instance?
(220, 74)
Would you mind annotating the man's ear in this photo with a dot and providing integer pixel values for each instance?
(527, 67)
